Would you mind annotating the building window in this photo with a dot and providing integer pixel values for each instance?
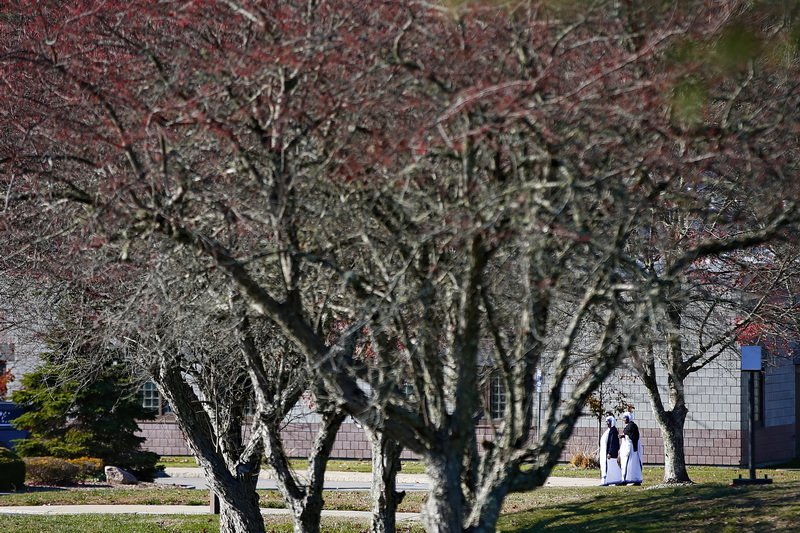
(152, 399)
(497, 397)
(7, 351)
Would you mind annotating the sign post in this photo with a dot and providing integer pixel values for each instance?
(751, 363)
(539, 405)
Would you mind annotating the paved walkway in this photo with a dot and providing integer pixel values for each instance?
(366, 477)
(204, 509)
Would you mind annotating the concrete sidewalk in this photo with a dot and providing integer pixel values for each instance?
(366, 477)
(166, 510)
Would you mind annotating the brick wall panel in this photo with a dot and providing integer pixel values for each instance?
(703, 446)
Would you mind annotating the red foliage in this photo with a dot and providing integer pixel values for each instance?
(161, 115)
(6, 377)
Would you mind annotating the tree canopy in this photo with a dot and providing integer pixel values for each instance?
(412, 197)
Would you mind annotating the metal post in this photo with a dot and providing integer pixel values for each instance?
(751, 363)
(751, 426)
(539, 405)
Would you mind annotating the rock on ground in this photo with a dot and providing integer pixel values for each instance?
(118, 476)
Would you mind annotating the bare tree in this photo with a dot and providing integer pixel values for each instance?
(702, 315)
(708, 249)
(433, 181)
(231, 382)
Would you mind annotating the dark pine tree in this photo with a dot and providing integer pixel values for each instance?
(71, 413)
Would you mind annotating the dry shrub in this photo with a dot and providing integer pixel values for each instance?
(56, 471)
(88, 467)
(585, 461)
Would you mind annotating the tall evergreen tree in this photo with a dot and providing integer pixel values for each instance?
(71, 414)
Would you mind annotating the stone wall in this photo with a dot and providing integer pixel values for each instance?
(163, 437)
(703, 447)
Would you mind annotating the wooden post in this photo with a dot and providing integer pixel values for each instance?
(214, 502)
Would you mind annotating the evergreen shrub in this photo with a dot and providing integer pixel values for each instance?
(70, 414)
(12, 471)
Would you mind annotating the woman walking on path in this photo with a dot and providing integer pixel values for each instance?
(610, 472)
(631, 452)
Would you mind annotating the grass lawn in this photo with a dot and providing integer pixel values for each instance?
(712, 505)
(164, 524)
(109, 524)
(177, 461)
(699, 509)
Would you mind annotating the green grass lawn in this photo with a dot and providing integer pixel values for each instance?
(177, 461)
(110, 524)
(164, 524)
(699, 509)
(712, 505)
(651, 474)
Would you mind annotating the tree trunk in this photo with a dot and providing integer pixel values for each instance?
(238, 499)
(443, 511)
(385, 498)
(672, 423)
(217, 443)
(489, 498)
(239, 510)
(303, 497)
(307, 513)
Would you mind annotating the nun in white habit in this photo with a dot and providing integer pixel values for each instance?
(610, 472)
(630, 454)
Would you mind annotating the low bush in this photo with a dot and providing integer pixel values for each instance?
(56, 471)
(51, 471)
(88, 467)
(12, 471)
(587, 461)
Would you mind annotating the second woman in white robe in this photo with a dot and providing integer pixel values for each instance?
(630, 453)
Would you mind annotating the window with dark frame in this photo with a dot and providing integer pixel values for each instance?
(153, 400)
(497, 397)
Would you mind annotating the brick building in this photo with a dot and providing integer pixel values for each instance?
(715, 430)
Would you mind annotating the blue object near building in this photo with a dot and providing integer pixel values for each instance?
(8, 412)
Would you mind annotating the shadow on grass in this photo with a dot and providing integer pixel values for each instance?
(699, 508)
